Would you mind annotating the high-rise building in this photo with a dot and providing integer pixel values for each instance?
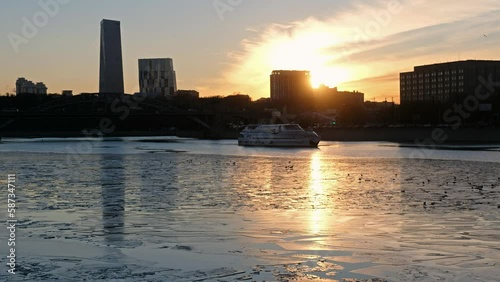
(291, 87)
(157, 76)
(111, 65)
(24, 86)
(446, 82)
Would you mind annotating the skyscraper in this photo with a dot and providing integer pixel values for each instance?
(157, 76)
(111, 66)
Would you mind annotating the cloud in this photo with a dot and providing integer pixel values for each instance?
(365, 46)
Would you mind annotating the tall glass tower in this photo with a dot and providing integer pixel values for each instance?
(111, 65)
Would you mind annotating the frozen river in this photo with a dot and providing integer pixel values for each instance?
(168, 209)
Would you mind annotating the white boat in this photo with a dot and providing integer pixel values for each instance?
(278, 135)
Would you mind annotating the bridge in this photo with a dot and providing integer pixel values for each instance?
(101, 106)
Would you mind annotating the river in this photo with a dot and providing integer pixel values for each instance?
(172, 209)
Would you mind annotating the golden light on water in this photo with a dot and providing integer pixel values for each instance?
(318, 196)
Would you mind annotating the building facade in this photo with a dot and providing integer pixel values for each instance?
(157, 76)
(111, 64)
(24, 86)
(291, 87)
(446, 82)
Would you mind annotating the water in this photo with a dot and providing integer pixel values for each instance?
(169, 209)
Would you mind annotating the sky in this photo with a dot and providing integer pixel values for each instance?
(222, 47)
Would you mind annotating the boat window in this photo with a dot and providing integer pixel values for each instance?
(292, 127)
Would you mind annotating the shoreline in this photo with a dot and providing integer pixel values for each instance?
(413, 136)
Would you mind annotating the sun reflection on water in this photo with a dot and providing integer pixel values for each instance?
(318, 194)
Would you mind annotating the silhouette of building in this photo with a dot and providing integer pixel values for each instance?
(111, 65)
(67, 93)
(446, 82)
(157, 76)
(292, 87)
(188, 93)
(332, 98)
(24, 86)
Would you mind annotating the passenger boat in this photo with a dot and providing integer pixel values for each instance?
(278, 135)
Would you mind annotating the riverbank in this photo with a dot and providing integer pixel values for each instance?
(412, 135)
(416, 135)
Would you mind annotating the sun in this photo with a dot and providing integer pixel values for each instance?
(331, 76)
(309, 51)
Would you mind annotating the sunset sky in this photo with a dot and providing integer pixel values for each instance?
(222, 47)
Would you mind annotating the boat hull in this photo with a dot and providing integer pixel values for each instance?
(291, 143)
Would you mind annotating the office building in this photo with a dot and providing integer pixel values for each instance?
(446, 82)
(111, 65)
(292, 87)
(157, 76)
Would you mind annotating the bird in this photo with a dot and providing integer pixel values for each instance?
(485, 35)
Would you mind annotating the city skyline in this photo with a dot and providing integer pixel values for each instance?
(230, 47)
